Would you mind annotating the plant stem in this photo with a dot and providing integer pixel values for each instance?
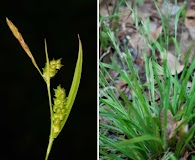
(51, 139)
(49, 147)
(47, 80)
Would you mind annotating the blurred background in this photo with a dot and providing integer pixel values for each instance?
(25, 116)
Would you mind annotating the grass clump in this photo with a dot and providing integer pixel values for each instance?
(157, 120)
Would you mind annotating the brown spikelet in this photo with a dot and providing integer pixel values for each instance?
(19, 37)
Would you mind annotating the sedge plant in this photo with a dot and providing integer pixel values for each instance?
(62, 104)
(145, 127)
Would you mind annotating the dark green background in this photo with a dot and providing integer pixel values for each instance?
(25, 117)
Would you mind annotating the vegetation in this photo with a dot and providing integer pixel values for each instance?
(157, 120)
(61, 107)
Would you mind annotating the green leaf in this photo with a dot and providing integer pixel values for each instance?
(75, 83)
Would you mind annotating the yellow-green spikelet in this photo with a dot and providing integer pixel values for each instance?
(53, 66)
(59, 110)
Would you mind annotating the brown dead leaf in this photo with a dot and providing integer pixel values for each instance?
(173, 63)
(170, 8)
(190, 22)
(113, 74)
(190, 18)
(122, 83)
(137, 41)
(171, 123)
(156, 33)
